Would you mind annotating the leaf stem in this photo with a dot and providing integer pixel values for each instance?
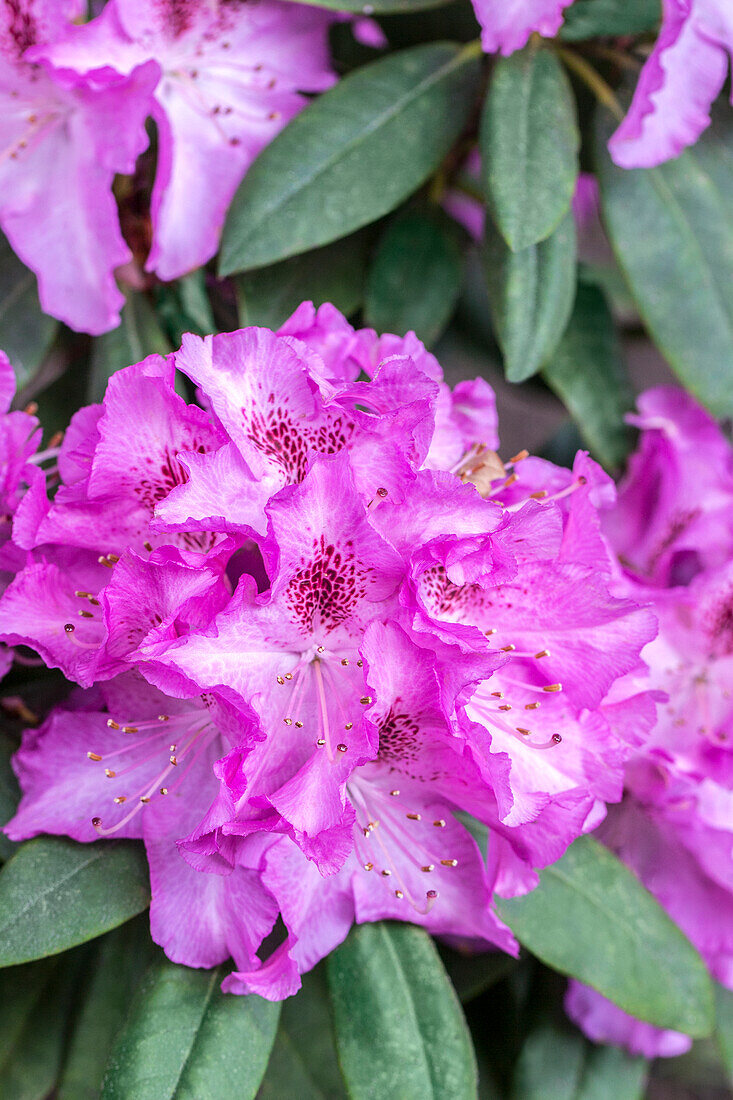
(471, 50)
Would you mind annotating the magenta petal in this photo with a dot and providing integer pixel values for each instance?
(507, 24)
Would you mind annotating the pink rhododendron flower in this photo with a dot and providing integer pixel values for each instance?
(65, 136)
(679, 83)
(231, 78)
(507, 24)
(355, 620)
(672, 530)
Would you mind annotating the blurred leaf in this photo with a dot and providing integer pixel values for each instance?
(34, 1008)
(26, 332)
(116, 969)
(472, 975)
(400, 1030)
(531, 296)
(672, 231)
(9, 792)
(529, 146)
(549, 1065)
(453, 22)
(55, 893)
(415, 277)
(724, 1026)
(376, 6)
(184, 306)
(592, 919)
(588, 373)
(334, 273)
(303, 1063)
(186, 1039)
(353, 155)
(138, 335)
(588, 18)
(611, 1072)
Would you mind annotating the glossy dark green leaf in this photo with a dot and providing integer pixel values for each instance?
(187, 1040)
(588, 373)
(724, 1026)
(353, 155)
(26, 332)
(334, 273)
(588, 18)
(55, 893)
(529, 146)
(34, 1010)
(557, 1062)
(138, 335)
(531, 296)
(415, 277)
(400, 1030)
(9, 791)
(672, 232)
(592, 919)
(116, 968)
(611, 1072)
(303, 1062)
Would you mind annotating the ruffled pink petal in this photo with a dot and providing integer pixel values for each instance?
(507, 24)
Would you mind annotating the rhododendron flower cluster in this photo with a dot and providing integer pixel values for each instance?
(673, 532)
(316, 617)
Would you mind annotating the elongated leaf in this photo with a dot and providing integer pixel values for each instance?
(588, 18)
(399, 1027)
(26, 332)
(352, 155)
(55, 894)
(9, 792)
(592, 919)
(334, 273)
(415, 278)
(550, 1064)
(303, 1063)
(724, 1026)
(672, 231)
(184, 306)
(531, 296)
(138, 335)
(529, 146)
(21, 988)
(186, 1039)
(116, 968)
(588, 374)
(611, 1072)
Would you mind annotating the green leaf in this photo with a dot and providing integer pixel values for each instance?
(399, 1027)
(334, 273)
(529, 146)
(55, 893)
(138, 335)
(184, 306)
(34, 1009)
(557, 1063)
(592, 919)
(9, 792)
(724, 1026)
(303, 1063)
(186, 1039)
(588, 374)
(531, 296)
(26, 332)
(116, 968)
(353, 155)
(415, 277)
(672, 232)
(588, 18)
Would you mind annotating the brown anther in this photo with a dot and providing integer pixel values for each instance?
(298, 725)
(386, 873)
(69, 628)
(498, 694)
(505, 706)
(394, 793)
(348, 726)
(31, 408)
(360, 663)
(321, 742)
(144, 798)
(85, 614)
(148, 546)
(488, 633)
(280, 680)
(398, 894)
(557, 739)
(368, 866)
(542, 653)
(96, 822)
(130, 729)
(93, 756)
(164, 717)
(539, 495)
(83, 595)
(112, 724)
(365, 700)
(345, 661)
(428, 867)
(120, 799)
(114, 558)
(288, 721)
(507, 649)
(93, 601)
(109, 773)
(524, 732)
(413, 817)
(439, 823)
(552, 687)
(449, 862)
(520, 457)
(342, 748)
(164, 790)
(173, 761)
(103, 561)
(288, 675)
(382, 492)
(273, 116)
(510, 480)
(531, 706)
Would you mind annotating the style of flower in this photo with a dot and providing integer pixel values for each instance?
(672, 531)
(678, 85)
(66, 135)
(231, 76)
